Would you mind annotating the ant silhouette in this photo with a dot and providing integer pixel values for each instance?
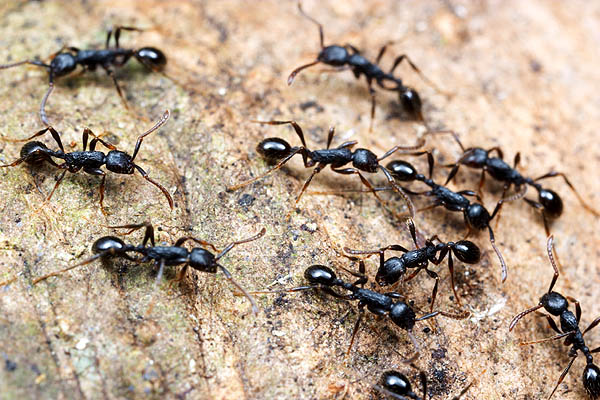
(110, 58)
(277, 150)
(348, 56)
(382, 304)
(558, 305)
(394, 268)
(549, 202)
(91, 161)
(198, 258)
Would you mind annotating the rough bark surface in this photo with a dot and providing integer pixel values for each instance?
(524, 77)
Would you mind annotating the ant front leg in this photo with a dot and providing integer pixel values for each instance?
(96, 139)
(361, 311)
(148, 233)
(117, 29)
(158, 185)
(111, 73)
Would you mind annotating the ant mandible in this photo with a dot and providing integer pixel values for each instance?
(347, 55)
(91, 161)
(277, 150)
(394, 268)
(198, 258)
(110, 58)
(549, 202)
(381, 304)
(558, 305)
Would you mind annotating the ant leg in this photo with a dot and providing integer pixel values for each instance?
(330, 136)
(95, 140)
(399, 190)
(301, 150)
(498, 254)
(361, 312)
(201, 242)
(158, 185)
(239, 287)
(30, 62)
(58, 181)
(179, 277)
(294, 125)
(165, 117)
(99, 172)
(373, 101)
(562, 376)
(403, 57)
(159, 276)
(315, 171)
(56, 273)
(47, 129)
(233, 244)
(555, 337)
(148, 234)
(435, 276)
(110, 72)
(521, 315)
(577, 307)
(581, 201)
(451, 271)
(592, 325)
(117, 29)
(539, 206)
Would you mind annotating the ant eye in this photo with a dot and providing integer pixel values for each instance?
(402, 171)
(553, 205)
(467, 252)
(273, 149)
(411, 102)
(152, 57)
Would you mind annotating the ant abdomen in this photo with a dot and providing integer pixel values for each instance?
(402, 171)
(273, 149)
(467, 251)
(411, 102)
(591, 380)
(152, 56)
(396, 383)
(107, 243)
(34, 152)
(553, 205)
(320, 275)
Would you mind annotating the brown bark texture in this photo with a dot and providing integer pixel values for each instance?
(524, 76)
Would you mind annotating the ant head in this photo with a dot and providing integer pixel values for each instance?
(402, 171)
(320, 275)
(396, 383)
(476, 216)
(411, 102)
(591, 380)
(553, 205)
(63, 64)
(274, 149)
(107, 243)
(119, 162)
(151, 57)
(335, 56)
(365, 160)
(34, 152)
(402, 315)
(466, 251)
(202, 260)
(393, 268)
(554, 303)
(474, 157)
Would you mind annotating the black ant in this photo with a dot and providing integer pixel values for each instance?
(476, 216)
(64, 62)
(558, 305)
(277, 150)
(91, 161)
(347, 55)
(549, 202)
(381, 304)
(394, 268)
(397, 386)
(198, 258)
